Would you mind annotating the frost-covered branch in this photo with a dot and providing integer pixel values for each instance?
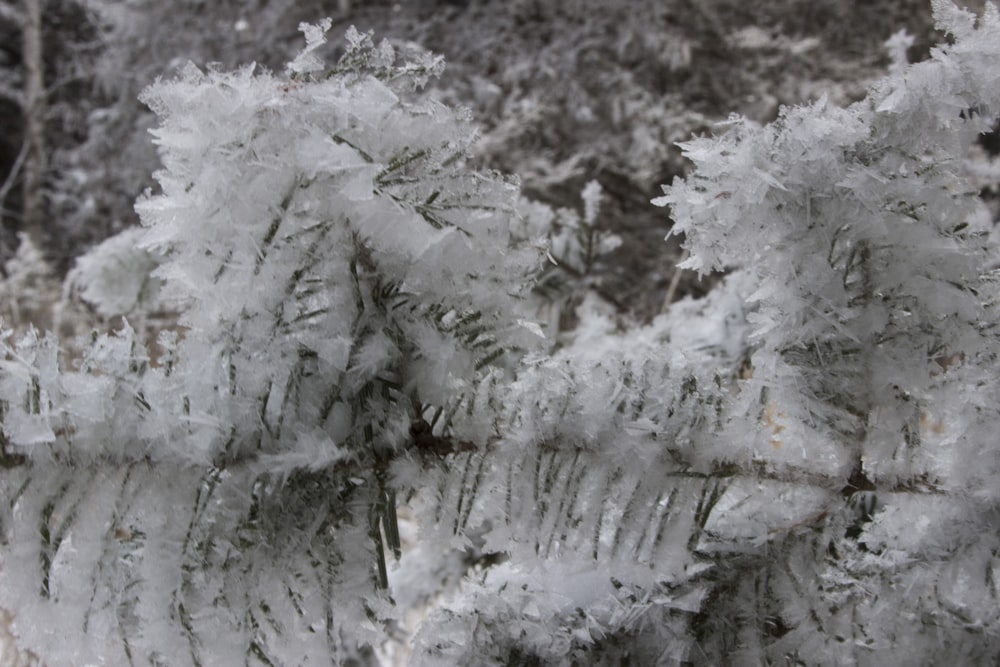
(335, 264)
(799, 468)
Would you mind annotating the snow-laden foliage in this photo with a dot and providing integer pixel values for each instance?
(873, 361)
(871, 258)
(800, 468)
(339, 272)
(586, 496)
(576, 245)
(115, 277)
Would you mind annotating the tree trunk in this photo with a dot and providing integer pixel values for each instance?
(33, 219)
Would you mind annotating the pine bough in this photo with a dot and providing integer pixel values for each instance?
(800, 468)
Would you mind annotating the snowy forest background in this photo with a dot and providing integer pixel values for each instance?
(746, 500)
(563, 93)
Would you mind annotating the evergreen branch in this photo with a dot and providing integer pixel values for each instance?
(340, 140)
